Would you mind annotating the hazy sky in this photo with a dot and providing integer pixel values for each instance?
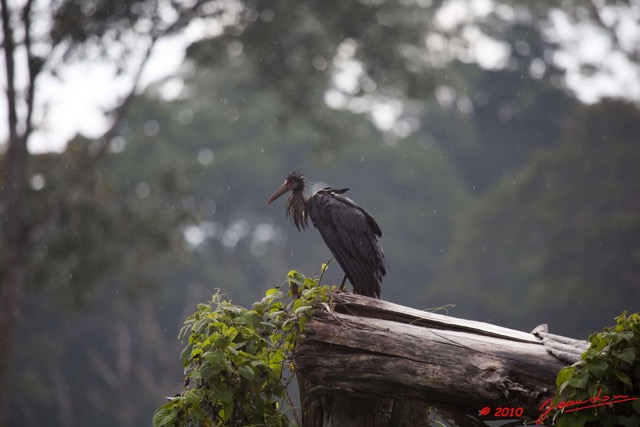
(76, 101)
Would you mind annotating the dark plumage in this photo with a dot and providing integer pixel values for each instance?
(350, 233)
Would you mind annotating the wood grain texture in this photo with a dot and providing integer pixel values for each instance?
(365, 348)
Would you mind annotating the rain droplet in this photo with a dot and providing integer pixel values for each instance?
(151, 128)
(142, 190)
(205, 157)
(38, 182)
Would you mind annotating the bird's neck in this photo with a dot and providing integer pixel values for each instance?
(297, 209)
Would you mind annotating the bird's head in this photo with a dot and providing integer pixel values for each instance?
(295, 182)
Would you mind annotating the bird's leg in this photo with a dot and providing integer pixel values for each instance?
(344, 279)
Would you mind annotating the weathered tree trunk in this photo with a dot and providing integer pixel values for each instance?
(13, 232)
(366, 362)
(17, 226)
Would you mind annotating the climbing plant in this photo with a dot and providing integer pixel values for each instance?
(236, 359)
(603, 388)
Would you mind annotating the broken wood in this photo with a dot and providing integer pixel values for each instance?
(366, 362)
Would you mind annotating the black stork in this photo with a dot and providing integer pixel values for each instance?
(350, 233)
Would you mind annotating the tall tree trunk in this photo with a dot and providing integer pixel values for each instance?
(14, 228)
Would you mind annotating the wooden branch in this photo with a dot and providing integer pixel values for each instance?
(366, 347)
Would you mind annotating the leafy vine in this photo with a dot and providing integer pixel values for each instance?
(609, 371)
(236, 359)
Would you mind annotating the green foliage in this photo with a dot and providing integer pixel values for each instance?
(99, 239)
(608, 368)
(70, 215)
(565, 225)
(235, 358)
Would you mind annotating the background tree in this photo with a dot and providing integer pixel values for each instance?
(397, 100)
(562, 229)
(123, 33)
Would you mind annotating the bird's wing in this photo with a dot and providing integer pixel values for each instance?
(351, 235)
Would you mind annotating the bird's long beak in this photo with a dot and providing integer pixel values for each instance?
(280, 191)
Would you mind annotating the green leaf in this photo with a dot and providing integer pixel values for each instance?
(231, 332)
(624, 378)
(253, 317)
(186, 353)
(628, 356)
(271, 291)
(192, 398)
(269, 327)
(225, 396)
(165, 414)
(597, 367)
(204, 307)
(580, 381)
(214, 357)
(573, 420)
(295, 277)
(310, 283)
(260, 308)
(564, 375)
(233, 309)
(238, 346)
(246, 372)
(302, 310)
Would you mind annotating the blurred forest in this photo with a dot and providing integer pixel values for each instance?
(501, 195)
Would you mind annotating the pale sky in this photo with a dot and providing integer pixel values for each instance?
(75, 101)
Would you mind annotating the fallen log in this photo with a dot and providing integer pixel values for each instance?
(367, 362)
